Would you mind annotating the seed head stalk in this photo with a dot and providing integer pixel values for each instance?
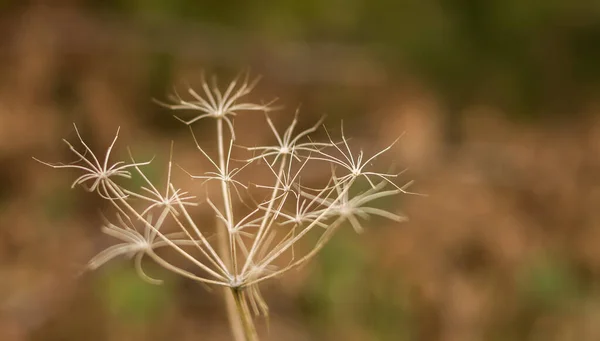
(240, 321)
(262, 231)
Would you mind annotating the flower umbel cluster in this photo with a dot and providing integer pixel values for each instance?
(243, 245)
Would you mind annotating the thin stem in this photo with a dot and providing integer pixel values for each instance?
(276, 252)
(225, 246)
(322, 241)
(226, 198)
(264, 225)
(164, 238)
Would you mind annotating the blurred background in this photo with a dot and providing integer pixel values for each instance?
(499, 101)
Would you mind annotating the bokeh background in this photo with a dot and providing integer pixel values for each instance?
(499, 101)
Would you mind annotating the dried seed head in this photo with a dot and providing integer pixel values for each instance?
(260, 243)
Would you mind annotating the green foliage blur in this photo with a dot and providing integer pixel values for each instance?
(132, 301)
(527, 56)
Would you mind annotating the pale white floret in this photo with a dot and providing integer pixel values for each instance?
(99, 174)
(288, 144)
(355, 165)
(155, 197)
(217, 104)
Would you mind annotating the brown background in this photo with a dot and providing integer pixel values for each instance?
(499, 103)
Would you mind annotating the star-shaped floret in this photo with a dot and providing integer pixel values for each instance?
(157, 199)
(134, 244)
(96, 172)
(355, 166)
(351, 207)
(217, 104)
(287, 144)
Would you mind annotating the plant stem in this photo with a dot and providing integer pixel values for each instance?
(260, 235)
(234, 314)
(244, 313)
(225, 247)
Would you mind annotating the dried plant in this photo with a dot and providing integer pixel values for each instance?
(251, 245)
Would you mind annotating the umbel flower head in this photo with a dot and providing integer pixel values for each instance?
(216, 104)
(241, 247)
